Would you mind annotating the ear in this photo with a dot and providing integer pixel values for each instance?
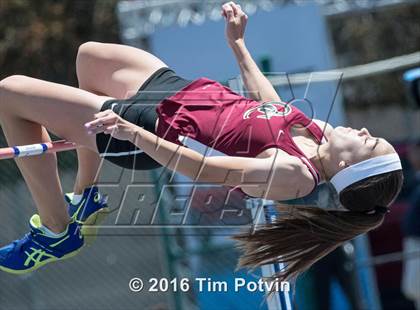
(342, 164)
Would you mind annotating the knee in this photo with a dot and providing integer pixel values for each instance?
(88, 49)
(88, 46)
(12, 83)
(86, 58)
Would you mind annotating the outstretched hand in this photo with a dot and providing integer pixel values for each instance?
(236, 21)
(111, 123)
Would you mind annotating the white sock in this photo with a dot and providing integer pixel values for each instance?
(76, 199)
(52, 234)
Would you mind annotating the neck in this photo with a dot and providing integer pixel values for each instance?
(322, 162)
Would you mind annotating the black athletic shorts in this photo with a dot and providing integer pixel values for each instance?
(140, 110)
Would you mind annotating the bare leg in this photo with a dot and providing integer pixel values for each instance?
(112, 70)
(89, 164)
(40, 173)
(27, 107)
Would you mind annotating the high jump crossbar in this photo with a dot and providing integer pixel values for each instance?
(36, 149)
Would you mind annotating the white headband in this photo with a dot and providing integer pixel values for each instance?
(364, 169)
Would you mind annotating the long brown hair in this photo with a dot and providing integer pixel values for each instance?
(301, 235)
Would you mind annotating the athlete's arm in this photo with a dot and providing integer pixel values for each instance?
(285, 175)
(258, 86)
(275, 178)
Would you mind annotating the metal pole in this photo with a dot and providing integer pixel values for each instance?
(262, 212)
(36, 149)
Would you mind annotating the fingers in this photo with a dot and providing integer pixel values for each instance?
(234, 8)
(110, 129)
(97, 130)
(228, 11)
(101, 127)
(99, 117)
(240, 13)
(231, 10)
(102, 121)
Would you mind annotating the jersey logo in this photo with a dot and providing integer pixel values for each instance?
(267, 110)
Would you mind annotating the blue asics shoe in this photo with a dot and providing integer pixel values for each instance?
(36, 249)
(87, 210)
(90, 211)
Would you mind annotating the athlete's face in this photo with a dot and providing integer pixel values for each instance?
(349, 146)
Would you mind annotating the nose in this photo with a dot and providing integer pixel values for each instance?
(364, 131)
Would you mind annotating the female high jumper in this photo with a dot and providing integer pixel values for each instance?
(275, 151)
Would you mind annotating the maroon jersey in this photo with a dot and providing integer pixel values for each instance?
(214, 115)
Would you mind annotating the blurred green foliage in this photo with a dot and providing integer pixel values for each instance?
(40, 39)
